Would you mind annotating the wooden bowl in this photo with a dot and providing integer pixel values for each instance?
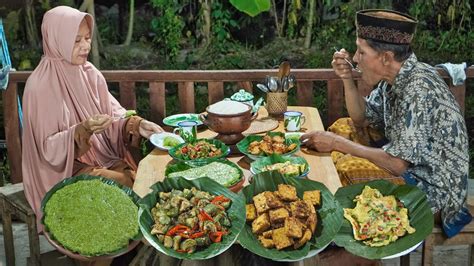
(229, 126)
(237, 186)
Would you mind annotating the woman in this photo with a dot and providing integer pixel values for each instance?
(72, 124)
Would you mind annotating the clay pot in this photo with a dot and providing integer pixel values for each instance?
(229, 126)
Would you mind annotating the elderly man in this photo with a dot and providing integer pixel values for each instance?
(426, 139)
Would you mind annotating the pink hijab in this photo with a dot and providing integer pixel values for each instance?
(58, 96)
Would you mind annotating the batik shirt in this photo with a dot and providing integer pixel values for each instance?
(424, 126)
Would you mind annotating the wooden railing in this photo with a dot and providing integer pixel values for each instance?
(186, 81)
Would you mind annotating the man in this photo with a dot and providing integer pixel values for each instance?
(427, 143)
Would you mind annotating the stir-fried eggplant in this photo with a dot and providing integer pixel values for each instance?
(190, 219)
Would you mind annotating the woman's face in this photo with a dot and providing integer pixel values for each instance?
(369, 61)
(82, 44)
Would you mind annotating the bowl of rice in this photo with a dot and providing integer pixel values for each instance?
(229, 119)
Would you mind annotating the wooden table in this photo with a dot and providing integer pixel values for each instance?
(151, 169)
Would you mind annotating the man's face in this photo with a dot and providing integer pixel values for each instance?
(82, 45)
(369, 62)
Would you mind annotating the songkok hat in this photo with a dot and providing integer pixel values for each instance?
(385, 26)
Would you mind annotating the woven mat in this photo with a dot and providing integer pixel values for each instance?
(261, 125)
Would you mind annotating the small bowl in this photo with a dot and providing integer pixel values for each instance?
(237, 186)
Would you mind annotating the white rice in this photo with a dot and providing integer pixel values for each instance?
(227, 108)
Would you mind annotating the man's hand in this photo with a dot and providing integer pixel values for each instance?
(148, 128)
(98, 123)
(340, 66)
(321, 141)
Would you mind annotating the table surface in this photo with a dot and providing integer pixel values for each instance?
(151, 169)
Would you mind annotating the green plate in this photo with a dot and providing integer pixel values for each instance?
(329, 217)
(244, 144)
(236, 213)
(258, 165)
(419, 214)
(71, 180)
(173, 120)
(182, 166)
(201, 161)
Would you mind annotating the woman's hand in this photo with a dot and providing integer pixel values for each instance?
(321, 141)
(340, 66)
(98, 123)
(148, 128)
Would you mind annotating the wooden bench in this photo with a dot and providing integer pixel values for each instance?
(14, 204)
(157, 80)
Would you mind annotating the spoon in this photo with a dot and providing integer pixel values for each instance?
(262, 87)
(285, 83)
(349, 62)
(291, 81)
(272, 84)
(283, 70)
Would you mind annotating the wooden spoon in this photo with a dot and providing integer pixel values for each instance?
(284, 70)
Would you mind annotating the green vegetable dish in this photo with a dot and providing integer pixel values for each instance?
(223, 172)
(190, 219)
(199, 149)
(91, 217)
(170, 142)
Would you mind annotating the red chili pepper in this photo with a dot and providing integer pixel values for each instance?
(204, 216)
(177, 229)
(196, 235)
(220, 198)
(216, 236)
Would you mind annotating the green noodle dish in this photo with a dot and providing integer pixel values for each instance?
(91, 218)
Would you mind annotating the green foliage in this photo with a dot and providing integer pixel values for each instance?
(251, 7)
(167, 26)
(222, 23)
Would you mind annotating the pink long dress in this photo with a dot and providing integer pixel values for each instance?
(59, 96)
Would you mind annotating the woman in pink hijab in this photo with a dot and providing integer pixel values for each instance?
(72, 124)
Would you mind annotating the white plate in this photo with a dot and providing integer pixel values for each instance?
(157, 140)
(403, 252)
(173, 120)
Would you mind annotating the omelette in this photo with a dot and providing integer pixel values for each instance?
(378, 220)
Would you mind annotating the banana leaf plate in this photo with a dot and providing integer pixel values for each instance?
(221, 177)
(225, 150)
(258, 165)
(236, 213)
(244, 144)
(329, 217)
(419, 214)
(83, 200)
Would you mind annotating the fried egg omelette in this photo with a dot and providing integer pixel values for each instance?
(378, 220)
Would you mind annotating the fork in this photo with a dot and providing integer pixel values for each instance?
(349, 62)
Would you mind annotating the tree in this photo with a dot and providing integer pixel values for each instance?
(128, 39)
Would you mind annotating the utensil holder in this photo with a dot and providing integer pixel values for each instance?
(277, 103)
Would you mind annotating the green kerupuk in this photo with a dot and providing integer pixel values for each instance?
(91, 218)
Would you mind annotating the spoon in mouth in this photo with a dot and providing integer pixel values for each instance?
(349, 62)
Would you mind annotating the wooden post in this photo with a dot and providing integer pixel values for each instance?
(157, 102)
(304, 93)
(127, 95)
(186, 97)
(12, 131)
(215, 91)
(335, 100)
(459, 93)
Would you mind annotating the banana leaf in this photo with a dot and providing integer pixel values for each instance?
(244, 144)
(71, 180)
(236, 213)
(329, 217)
(258, 165)
(229, 180)
(419, 214)
(200, 161)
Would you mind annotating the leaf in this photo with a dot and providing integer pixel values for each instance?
(200, 161)
(251, 7)
(245, 143)
(236, 213)
(419, 213)
(329, 217)
(258, 165)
